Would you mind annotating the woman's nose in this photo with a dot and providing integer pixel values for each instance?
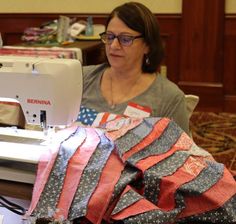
(115, 43)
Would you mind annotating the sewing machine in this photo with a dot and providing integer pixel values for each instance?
(49, 92)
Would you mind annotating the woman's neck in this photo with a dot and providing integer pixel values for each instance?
(124, 76)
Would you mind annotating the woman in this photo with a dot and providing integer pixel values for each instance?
(129, 83)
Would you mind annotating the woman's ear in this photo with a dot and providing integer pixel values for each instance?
(146, 49)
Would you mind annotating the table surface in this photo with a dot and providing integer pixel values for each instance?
(83, 44)
(92, 50)
(16, 189)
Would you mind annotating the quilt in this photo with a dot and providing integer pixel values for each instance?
(132, 170)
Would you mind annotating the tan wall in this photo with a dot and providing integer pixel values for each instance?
(230, 6)
(81, 6)
(92, 6)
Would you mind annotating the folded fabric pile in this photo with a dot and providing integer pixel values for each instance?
(42, 52)
(132, 171)
(44, 34)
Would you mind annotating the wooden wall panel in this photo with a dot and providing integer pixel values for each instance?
(229, 78)
(170, 32)
(201, 41)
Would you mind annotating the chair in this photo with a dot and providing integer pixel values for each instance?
(191, 103)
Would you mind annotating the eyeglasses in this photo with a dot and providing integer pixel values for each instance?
(124, 40)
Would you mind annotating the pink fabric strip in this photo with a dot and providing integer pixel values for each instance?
(102, 195)
(74, 171)
(127, 124)
(44, 167)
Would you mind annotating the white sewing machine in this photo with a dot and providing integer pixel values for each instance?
(49, 92)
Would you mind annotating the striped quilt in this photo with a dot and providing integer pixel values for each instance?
(132, 170)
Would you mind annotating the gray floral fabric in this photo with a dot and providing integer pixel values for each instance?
(127, 177)
(226, 214)
(127, 199)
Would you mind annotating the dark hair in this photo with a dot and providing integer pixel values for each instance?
(139, 18)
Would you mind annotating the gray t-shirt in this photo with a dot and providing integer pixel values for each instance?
(163, 97)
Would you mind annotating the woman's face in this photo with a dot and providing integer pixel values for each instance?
(124, 57)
